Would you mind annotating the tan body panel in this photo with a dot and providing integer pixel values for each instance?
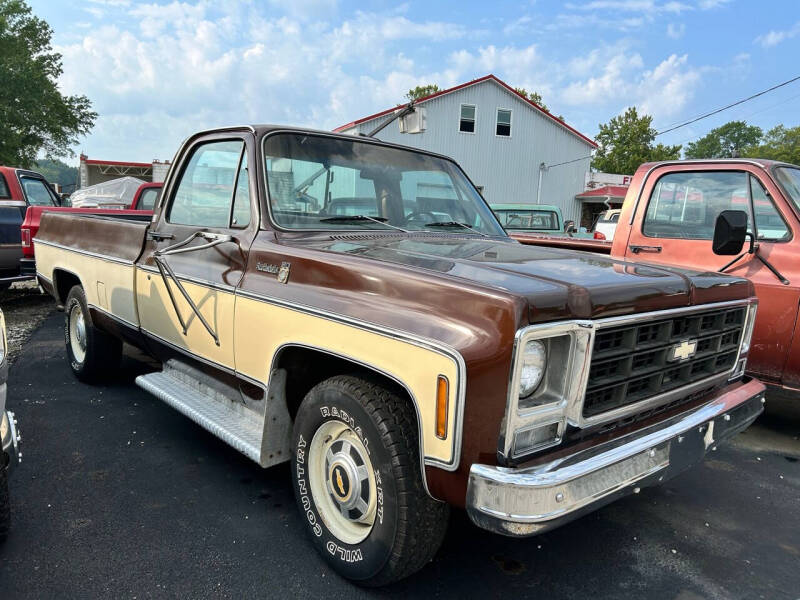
(158, 317)
(108, 284)
(262, 329)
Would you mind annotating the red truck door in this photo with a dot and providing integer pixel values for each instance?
(674, 224)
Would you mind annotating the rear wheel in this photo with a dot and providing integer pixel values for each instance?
(92, 354)
(358, 482)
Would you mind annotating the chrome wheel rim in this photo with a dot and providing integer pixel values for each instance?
(342, 482)
(77, 333)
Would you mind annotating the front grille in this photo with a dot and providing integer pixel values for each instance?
(634, 362)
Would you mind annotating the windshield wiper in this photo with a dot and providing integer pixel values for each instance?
(455, 224)
(348, 218)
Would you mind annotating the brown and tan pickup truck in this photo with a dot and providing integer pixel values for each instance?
(355, 308)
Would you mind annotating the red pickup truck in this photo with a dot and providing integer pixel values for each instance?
(669, 217)
(140, 209)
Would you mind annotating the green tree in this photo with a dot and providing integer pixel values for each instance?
(421, 91)
(34, 116)
(780, 143)
(57, 171)
(727, 141)
(534, 97)
(627, 141)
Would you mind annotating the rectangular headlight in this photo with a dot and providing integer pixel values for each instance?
(548, 369)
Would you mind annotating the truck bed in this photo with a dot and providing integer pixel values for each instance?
(98, 250)
(588, 245)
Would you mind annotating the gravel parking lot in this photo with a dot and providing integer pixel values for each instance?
(120, 496)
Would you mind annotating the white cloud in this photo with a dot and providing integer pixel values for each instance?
(174, 68)
(773, 38)
(711, 4)
(619, 78)
(520, 25)
(676, 31)
(667, 89)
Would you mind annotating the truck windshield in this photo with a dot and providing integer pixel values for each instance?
(789, 178)
(528, 219)
(318, 182)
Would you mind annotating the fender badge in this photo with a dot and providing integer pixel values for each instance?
(282, 272)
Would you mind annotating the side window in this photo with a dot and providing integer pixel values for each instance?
(685, 205)
(503, 122)
(240, 216)
(770, 224)
(4, 191)
(466, 122)
(147, 200)
(37, 192)
(205, 191)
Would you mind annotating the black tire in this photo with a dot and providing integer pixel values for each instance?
(5, 501)
(412, 525)
(103, 351)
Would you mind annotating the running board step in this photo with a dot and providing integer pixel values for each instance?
(234, 428)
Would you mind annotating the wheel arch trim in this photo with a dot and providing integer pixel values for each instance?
(423, 462)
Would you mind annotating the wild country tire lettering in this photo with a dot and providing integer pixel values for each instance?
(345, 554)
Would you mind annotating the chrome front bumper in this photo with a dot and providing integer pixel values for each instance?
(526, 501)
(9, 441)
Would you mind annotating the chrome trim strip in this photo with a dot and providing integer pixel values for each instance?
(203, 282)
(106, 257)
(402, 336)
(671, 163)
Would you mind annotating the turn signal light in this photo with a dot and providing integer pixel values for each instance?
(442, 394)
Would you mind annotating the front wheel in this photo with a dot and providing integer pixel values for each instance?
(92, 354)
(358, 483)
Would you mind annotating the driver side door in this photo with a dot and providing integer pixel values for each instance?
(211, 203)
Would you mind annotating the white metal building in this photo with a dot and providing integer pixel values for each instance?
(499, 137)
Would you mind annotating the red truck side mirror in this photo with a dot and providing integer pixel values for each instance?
(730, 232)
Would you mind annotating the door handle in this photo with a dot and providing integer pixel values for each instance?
(159, 237)
(636, 249)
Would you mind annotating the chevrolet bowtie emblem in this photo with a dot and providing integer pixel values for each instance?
(684, 350)
(339, 482)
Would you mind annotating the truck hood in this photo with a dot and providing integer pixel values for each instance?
(557, 283)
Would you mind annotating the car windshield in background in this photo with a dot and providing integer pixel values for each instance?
(317, 182)
(789, 178)
(528, 219)
(37, 192)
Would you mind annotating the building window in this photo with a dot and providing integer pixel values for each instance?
(467, 121)
(503, 122)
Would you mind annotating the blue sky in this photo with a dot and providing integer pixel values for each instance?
(156, 72)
